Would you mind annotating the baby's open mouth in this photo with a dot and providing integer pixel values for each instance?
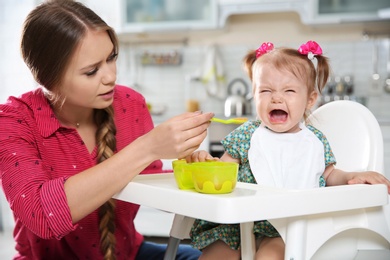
(278, 115)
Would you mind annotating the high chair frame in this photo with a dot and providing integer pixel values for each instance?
(356, 140)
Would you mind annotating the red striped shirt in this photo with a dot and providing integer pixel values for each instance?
(37, 155)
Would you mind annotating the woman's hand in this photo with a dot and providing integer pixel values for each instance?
(179, 136)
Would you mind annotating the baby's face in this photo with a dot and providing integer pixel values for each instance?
(281, 98)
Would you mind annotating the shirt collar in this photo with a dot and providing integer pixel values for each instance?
(46, 120)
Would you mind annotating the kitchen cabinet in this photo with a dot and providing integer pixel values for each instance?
(232, 7)
(343, 11)
(167, 15)
(152, 222)
(154, 16)
(310, 11)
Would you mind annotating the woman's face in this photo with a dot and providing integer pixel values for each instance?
(90, 77)
(281, 98)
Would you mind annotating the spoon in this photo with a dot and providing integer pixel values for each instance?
(237, 120)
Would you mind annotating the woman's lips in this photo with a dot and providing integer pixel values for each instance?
(108, 95)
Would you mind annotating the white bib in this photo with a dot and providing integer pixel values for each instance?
(286, 160)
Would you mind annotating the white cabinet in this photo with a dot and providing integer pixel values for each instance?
(231, 7)
(167, 15)
(311, 11)
(344, 11)
(109, 11)
(143, 16)
(152, 222)
(153, 16)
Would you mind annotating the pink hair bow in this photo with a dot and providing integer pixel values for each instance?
(311, 48)
(264, 48)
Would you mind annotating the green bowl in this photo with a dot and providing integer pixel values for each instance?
(183, 175)
(214, 177)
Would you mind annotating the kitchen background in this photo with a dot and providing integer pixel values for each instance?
(170, 62)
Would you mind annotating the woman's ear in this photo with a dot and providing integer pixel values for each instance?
(312, 99)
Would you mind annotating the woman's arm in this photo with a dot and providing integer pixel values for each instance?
(176, 138)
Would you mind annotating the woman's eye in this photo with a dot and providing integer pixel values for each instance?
(92, 72)
(112, 57)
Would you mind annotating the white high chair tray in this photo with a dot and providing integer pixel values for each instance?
(248, 202)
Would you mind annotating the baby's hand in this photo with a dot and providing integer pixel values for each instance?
(200, 156)
(370, 177)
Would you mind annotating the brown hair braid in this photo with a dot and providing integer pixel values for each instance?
(106, 143)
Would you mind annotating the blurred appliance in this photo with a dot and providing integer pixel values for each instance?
(217, 132)
(238, 103)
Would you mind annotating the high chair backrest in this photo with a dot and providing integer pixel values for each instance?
(353, 133)
(356, 140)
(336, 230)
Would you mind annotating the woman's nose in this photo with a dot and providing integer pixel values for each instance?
(109, 76)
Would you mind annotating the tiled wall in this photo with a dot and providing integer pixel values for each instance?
(167, 84)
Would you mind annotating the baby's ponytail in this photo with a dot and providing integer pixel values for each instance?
(322, 72)
(248, 61)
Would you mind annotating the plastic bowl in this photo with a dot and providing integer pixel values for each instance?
(183, 175)
(214, 177)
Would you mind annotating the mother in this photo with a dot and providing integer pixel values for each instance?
(68, 146)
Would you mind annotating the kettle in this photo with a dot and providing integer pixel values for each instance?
(238, 101)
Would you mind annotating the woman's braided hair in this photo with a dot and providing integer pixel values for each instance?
(106, 143)
(52, 32)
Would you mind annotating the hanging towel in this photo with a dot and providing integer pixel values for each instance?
(212, 74)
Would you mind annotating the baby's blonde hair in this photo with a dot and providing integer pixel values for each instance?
(291, 60)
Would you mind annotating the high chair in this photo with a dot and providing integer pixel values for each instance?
(356, 140)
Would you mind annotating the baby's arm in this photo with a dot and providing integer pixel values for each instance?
(202, 156)
(335, 176)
